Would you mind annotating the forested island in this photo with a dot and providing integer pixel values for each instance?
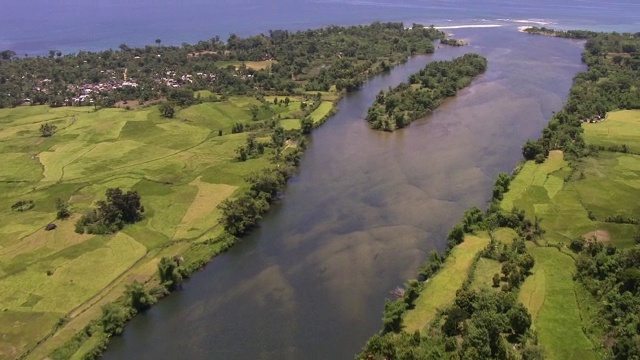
(425, 91)
(146, 162)
(551, 269)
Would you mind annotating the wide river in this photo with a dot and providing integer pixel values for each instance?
(363, 213)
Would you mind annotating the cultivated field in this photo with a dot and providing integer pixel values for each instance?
(574, 204)
(619, 128)
(582, 202)
(441, 289)
(550, 298)
(181, 167)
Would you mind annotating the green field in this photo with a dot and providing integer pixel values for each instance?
(483, 275)
(550, 298)
(255, 65)
(571, 204)
(607, 185)
(440, 290)
(619, 128)
(181, 167)
(322, 111)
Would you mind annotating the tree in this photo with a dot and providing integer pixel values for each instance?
(254, 112)
(167, 110)
(62, 209)
(496, 280)
(170, 277)
(306, 125)
(7, 54)
(531, 149)
(519, 319)
(113, 213)
(113, 318)
(158, 42)
(139, 296)
(278, 137)
(392, 317)
(47, 130)
(242, 214)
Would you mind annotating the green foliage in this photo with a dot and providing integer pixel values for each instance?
(47, 130)
(181, 97)
(578, 244)
(23, 205)
(167, 110)
(496, 280)
(170, 275)
(113, 318)
(113, 213)
(501, 186)
(340, 56)
(425, 91)
(306, 125)
(139, 296)
(252, 149)
(62, 209)
(612, 276)
(392, 315)
(532, 149)
(242, 214)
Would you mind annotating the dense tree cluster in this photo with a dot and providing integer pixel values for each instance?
(610, 83)
(112, 214)
(313, 59)
(612, 276)
(425, 91)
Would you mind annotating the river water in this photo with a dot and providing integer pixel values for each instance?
(363, 213)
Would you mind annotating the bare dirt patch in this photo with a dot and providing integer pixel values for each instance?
(602, 236)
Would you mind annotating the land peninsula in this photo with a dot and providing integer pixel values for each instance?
(551, 269)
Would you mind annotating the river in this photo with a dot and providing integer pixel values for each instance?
(363, 213)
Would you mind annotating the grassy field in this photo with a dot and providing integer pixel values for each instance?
(255, 65)
(605, 186)
(483, 277)
(549, 295)
(322, 111)
(440, 290)
(618, 128)
(575, 202)
(181, 167)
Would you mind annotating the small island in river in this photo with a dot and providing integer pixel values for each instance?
(425, 91)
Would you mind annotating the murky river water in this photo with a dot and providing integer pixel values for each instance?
(361, 216)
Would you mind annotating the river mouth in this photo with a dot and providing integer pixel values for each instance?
(362, 215)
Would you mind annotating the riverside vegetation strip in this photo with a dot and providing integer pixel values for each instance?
(573, 206)
(219, 138)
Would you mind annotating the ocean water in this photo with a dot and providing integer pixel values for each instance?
(36, 26)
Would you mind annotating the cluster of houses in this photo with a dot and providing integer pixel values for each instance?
(86, 91)
(593, 120)
(172, 80)
(84, 94)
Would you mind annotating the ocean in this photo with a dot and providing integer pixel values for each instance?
(34, 27)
